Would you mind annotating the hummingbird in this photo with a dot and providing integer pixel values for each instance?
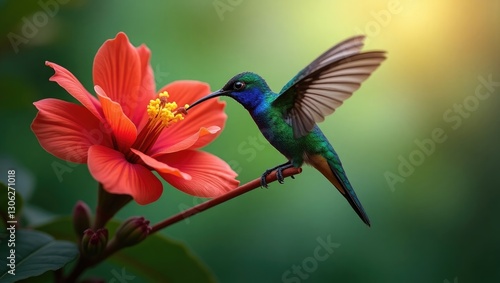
(287, 119)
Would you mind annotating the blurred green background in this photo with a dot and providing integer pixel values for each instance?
(438, 222)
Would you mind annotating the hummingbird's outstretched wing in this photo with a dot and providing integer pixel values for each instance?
(321, 87)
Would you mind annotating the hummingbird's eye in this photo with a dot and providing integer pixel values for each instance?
(238, 85)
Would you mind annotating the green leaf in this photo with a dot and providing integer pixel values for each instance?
(10, 204)
(175, 263)
(34, 253)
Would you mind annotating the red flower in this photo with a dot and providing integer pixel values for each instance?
(129, 130)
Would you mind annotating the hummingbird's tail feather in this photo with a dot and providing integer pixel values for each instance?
(336, 175)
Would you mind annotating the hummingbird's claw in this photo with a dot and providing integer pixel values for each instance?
(263, 182)
(279, 176)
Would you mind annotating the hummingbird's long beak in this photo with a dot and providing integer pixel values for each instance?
(217, 93)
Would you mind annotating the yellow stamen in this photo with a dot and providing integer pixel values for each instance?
(162, 114)
(163, 111)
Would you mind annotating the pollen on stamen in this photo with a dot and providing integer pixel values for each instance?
(164, 94)
(163, 111)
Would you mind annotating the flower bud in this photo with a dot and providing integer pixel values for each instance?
(132, 231)
(94, 243)
(81, 218)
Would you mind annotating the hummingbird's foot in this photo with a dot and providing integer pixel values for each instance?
(279, 176)
(279, 173)
(263, 182)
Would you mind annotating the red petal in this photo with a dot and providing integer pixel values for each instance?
(160, 166)
(118, 176)
(205, 115)
(187, 91)
(67, 130)
(123, 129)
(200, 137)
(71, 84)
(211, 176)
(118, 71)
(147, 91)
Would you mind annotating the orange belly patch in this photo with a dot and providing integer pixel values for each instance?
(321, 164)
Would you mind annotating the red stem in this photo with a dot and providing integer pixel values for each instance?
(218, 200)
